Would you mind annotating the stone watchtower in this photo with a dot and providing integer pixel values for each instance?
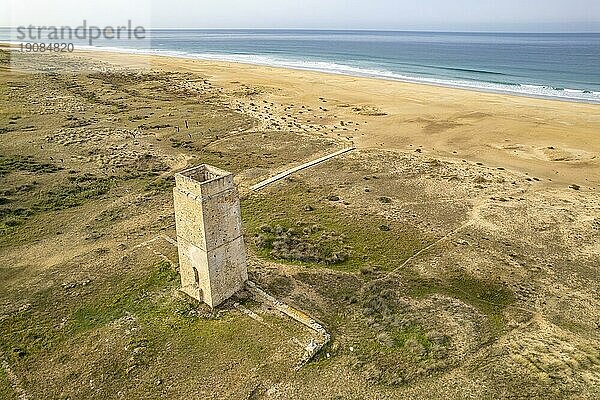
(212, 255)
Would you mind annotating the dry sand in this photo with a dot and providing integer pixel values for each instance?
(556, 141)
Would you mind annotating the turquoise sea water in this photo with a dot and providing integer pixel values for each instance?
(564, 66)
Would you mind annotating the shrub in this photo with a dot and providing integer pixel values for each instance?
(302, 243)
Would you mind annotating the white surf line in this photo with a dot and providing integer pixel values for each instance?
(14, 381)
(282, 175)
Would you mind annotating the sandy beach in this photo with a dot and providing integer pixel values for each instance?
(554, 141)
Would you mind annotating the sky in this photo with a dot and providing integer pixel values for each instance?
(436, 15)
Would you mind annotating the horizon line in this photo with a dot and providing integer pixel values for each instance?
(347, 30)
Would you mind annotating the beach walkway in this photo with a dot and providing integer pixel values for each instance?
(290, 171)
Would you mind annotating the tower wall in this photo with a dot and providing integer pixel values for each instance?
(212, 254)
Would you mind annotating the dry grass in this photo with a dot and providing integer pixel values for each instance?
(435, 277)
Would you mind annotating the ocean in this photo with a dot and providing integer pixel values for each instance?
(561, 66)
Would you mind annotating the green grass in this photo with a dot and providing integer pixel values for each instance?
(303, 243)
(12, 218)
(167, 326)
(75, 193)
(10, 164)
(160, 185)
(113, 300)
(415, 332)
(148, 299)
(488, 297)
(400, 336)
(29, 337)
(133, 299)
(366, 243)
(408, 356)
(78, 191)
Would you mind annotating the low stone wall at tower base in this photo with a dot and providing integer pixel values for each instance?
(313, 347)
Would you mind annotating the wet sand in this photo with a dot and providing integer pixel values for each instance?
(555, 141)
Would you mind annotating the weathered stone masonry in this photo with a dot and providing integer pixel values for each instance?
(212, 255)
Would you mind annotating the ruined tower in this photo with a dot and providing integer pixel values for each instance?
(212, 256)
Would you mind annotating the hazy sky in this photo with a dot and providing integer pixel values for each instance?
(495, 15)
